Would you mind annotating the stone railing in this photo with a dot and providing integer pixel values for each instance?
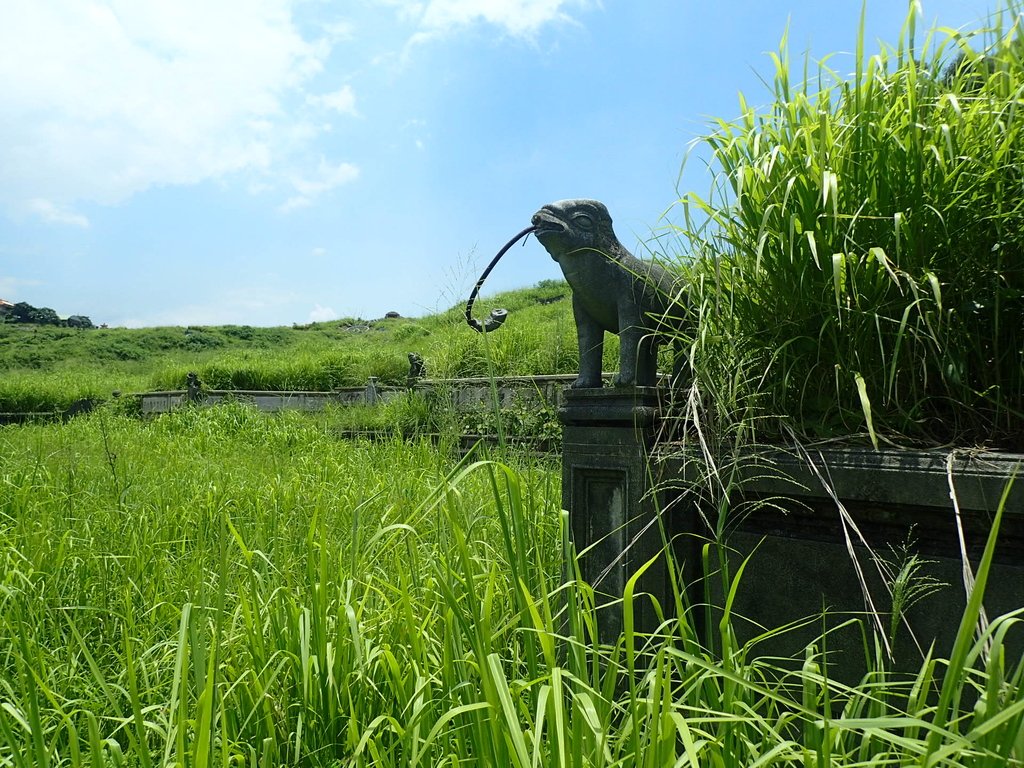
(465, 393)
(822, 530)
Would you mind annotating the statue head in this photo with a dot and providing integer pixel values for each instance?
(572, 225)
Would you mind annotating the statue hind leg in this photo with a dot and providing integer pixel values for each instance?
(647, 361)
(682, 372)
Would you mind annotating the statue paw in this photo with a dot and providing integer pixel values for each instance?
(618, 380)
(587, 383)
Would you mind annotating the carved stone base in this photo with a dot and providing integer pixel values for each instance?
(607, 490)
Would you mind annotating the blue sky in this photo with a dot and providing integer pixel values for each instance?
(268, 162)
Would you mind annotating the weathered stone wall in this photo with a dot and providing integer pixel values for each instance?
(801, 520)
(465, 394)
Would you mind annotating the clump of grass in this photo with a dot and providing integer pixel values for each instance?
(864, 240)
(54, 390)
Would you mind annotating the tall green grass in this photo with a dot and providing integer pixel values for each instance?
(216, 587)
(863, 242)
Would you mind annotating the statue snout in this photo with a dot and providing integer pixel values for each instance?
(545, 221)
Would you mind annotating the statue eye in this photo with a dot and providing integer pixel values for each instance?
(583, 221)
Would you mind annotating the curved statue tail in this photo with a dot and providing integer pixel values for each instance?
(498, 316)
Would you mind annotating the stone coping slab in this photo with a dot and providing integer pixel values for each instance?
(921, 478)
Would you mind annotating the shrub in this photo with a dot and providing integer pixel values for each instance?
(865, 243)
(79, 321)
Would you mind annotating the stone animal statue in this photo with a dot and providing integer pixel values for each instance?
(417, 369)
(193, 388)
(612, 291)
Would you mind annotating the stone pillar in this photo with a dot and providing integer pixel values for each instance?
(370, 395)
(606, 488)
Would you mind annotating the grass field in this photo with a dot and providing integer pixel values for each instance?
(220, 587)
(863, 243)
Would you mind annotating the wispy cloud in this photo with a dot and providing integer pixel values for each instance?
(339, 31)
(342, 100)
(101, 100)
(326, 178)
(55, 214)
(518, 18)
(10, 287)
(239, 305)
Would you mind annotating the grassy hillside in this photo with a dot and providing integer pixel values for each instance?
(45, 368)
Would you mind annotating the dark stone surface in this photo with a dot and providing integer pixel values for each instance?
(784, 517)
(77, 408)
(612, 291)
(193, 388)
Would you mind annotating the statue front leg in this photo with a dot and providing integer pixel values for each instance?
(682, 373)
(590, 337)
(630, 341)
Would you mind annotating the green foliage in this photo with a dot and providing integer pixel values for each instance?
(79, 321)
(864, 242)
(23, 312)
(538, 422)
(908, 583)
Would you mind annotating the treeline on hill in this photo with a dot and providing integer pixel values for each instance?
(23, 312)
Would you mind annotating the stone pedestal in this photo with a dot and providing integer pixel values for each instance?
(607, 489)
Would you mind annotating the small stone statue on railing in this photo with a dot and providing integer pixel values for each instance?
(417, 370)
(371, 395)
(193, 388)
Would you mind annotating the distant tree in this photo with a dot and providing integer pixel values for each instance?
(46, 316)
(23, 312)
(79, 321)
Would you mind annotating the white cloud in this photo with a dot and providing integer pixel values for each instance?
(519, 18)
(318, 253)
(101, 100)
(322, 314)
(408, 10)
(342, 100)
(327, 177)
(339, 31)
(240, 305)
(55, 214)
